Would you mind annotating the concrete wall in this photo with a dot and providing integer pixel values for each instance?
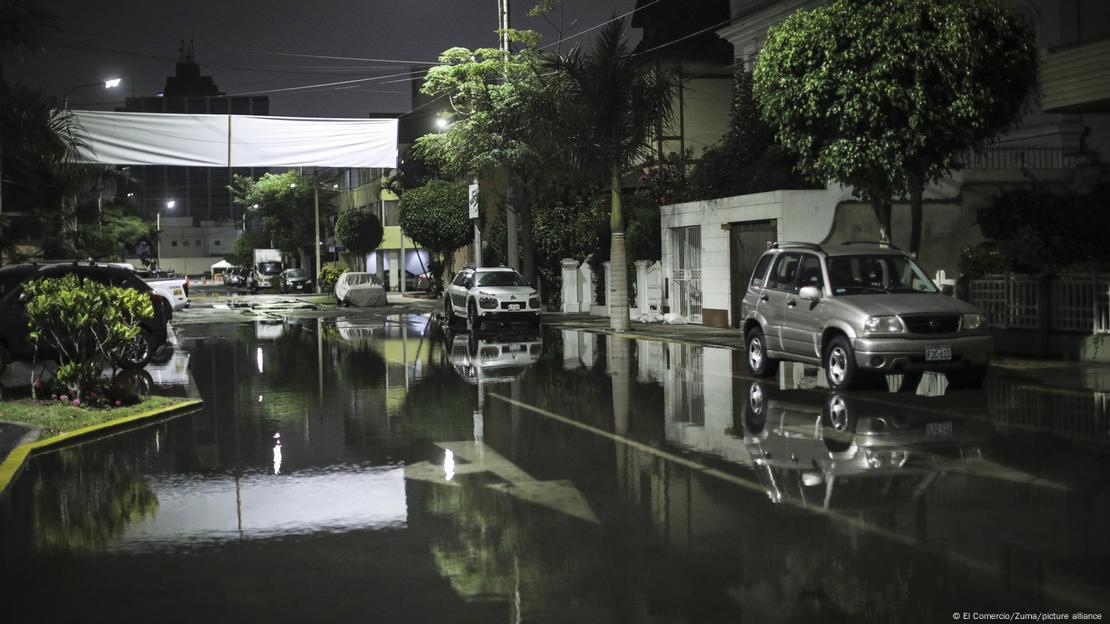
(801, 215)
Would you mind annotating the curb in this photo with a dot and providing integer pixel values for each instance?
(13, 463)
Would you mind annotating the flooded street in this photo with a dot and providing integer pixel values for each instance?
(386, 471)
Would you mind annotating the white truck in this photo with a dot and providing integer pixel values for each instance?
(174, 289)
(267, 267)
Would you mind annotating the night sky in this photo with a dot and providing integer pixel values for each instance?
(255, 46)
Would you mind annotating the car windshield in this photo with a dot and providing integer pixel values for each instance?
(295, 273)
(501, 278)
(269, 268)
(877, 273)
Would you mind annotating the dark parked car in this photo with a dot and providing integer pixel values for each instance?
(294, 279)
(14, 342)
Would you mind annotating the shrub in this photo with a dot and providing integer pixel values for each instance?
(83, 324)
(329, 275)
(359, 230)
(436, 217)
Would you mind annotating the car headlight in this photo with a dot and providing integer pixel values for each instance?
(487, 301)
(883, 325)
(973, 322)
(534, 302)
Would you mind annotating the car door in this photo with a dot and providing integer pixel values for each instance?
(801, 319)
(772, 303)
(459, 288)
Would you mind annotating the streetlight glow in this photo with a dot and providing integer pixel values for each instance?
(441, 122)
(112, 83)
(171, 204)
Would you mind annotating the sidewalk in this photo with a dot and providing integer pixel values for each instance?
(1081, 376)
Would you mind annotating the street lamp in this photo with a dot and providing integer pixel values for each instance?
(110, 83)
(158, 226)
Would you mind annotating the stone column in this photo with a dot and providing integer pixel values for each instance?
(570, 300)
(641, 285)
(586, 295)
(608, 289)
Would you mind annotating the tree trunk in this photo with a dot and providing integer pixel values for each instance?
(528, 249)
(917, 192)
(618, 274)
(881, 206)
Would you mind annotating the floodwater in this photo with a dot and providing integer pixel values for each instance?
(383, 471)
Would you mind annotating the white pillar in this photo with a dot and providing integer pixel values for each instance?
(394, 265)
(586, 293)
(570, 284)
(570, 350)
(641, 287)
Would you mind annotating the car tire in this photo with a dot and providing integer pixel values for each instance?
(756, 417)
(138, 353)
(448, 311)
(840, 423)
(840, 364)
(968, 379)
(473, 325)
(759, 363)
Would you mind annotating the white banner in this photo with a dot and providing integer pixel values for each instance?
(236, 140)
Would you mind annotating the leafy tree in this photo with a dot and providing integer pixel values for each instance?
(883, 96)
(618, 109)
(286, 208)
(242, 252)
(436, 217)
(359, 230)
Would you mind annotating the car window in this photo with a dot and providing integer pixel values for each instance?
(784, 272)
(809, 273)
(501, 278)
(875, 273)
(294, 273)
(760, 272)
(459, 279)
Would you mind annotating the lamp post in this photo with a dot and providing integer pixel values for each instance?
(158, 226)
(110, 83)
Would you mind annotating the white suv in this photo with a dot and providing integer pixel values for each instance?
(490, 294)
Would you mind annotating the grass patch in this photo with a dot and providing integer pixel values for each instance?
(323, 298)
(54, 417)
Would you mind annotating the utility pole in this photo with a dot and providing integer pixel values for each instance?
(316, 203)
(512, 249)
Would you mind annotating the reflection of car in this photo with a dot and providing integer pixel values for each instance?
(830, 449)
(857, 309)
(359, 289)
(490, 294)
(499, 360)
(14, 341)
(236, 277)
(294, 279)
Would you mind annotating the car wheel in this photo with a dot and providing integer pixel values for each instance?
(840, 364)
(472, 322)
(137, 353)
(968, 379)
(839, 422)
(448, 311)
(759, 363)
(756, 417)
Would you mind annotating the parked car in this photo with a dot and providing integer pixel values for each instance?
(14, 330)
(294, 279)
(831, 450)
(359, 289)
(490, 294)
(859, 310)
(173, 289)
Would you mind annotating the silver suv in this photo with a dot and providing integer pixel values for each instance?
(860, 310)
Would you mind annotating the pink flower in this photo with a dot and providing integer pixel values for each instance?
(119, 403)
(76, 402)
(63, 398)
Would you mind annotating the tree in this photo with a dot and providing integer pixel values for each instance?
(435, 216)
(883, 96)
(286, 208)
(618, 110)
(359, 231)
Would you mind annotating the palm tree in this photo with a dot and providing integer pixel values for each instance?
(620, 108)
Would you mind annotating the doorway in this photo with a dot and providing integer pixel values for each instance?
(746, 243)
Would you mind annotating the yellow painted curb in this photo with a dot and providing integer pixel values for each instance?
(15, 460)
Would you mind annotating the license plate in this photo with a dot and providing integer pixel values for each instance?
(514, 306)
(938, 354)
(938, 428)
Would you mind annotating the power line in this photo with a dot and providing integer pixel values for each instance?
(619, 17)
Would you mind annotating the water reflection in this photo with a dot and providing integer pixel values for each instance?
(567, 477)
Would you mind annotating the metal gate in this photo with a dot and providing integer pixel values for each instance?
(686, 294)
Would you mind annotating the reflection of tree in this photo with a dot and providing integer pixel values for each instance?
(89, 502)
(498, 549)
